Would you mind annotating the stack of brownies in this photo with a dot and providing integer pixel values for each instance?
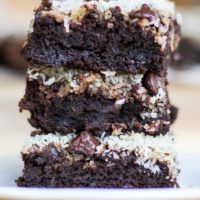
(97, 93)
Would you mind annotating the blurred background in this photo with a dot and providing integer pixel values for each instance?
(184, 76)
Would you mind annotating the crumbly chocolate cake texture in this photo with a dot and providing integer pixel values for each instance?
(112, 161)
(96, 102)
(128, 36)
(96, 90)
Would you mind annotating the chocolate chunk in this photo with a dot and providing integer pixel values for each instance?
(85, 143)
(152, 82)
(54, 152)
(144, 12)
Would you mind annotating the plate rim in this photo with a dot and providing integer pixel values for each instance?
(12, 193)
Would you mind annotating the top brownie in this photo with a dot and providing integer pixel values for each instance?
(106, 35)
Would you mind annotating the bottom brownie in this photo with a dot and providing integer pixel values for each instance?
(65, 161)
(54, 172)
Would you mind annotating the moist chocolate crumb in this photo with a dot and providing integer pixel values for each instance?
(97, 45)
(42, 169)
(81, 112)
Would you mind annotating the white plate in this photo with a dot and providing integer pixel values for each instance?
(189, 181)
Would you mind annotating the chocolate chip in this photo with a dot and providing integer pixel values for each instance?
(54, 152)
(117, 9)
(85, 143)
(152, 82)
(144, 12)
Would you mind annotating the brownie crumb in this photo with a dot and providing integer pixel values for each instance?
(56, 172)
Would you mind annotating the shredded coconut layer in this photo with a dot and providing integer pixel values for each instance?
(126, 6)
(124, 88)
(111, 84)
(149, 150)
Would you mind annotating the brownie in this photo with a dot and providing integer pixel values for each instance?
(96, 90)
(115, 39)
(77, 165)
(55, 173)
(83, 109)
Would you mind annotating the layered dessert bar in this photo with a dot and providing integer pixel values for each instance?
(96, 90)
(128, 160)
(131, 36)
(63, 100)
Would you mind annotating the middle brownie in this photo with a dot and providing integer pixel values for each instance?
(64, 100)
